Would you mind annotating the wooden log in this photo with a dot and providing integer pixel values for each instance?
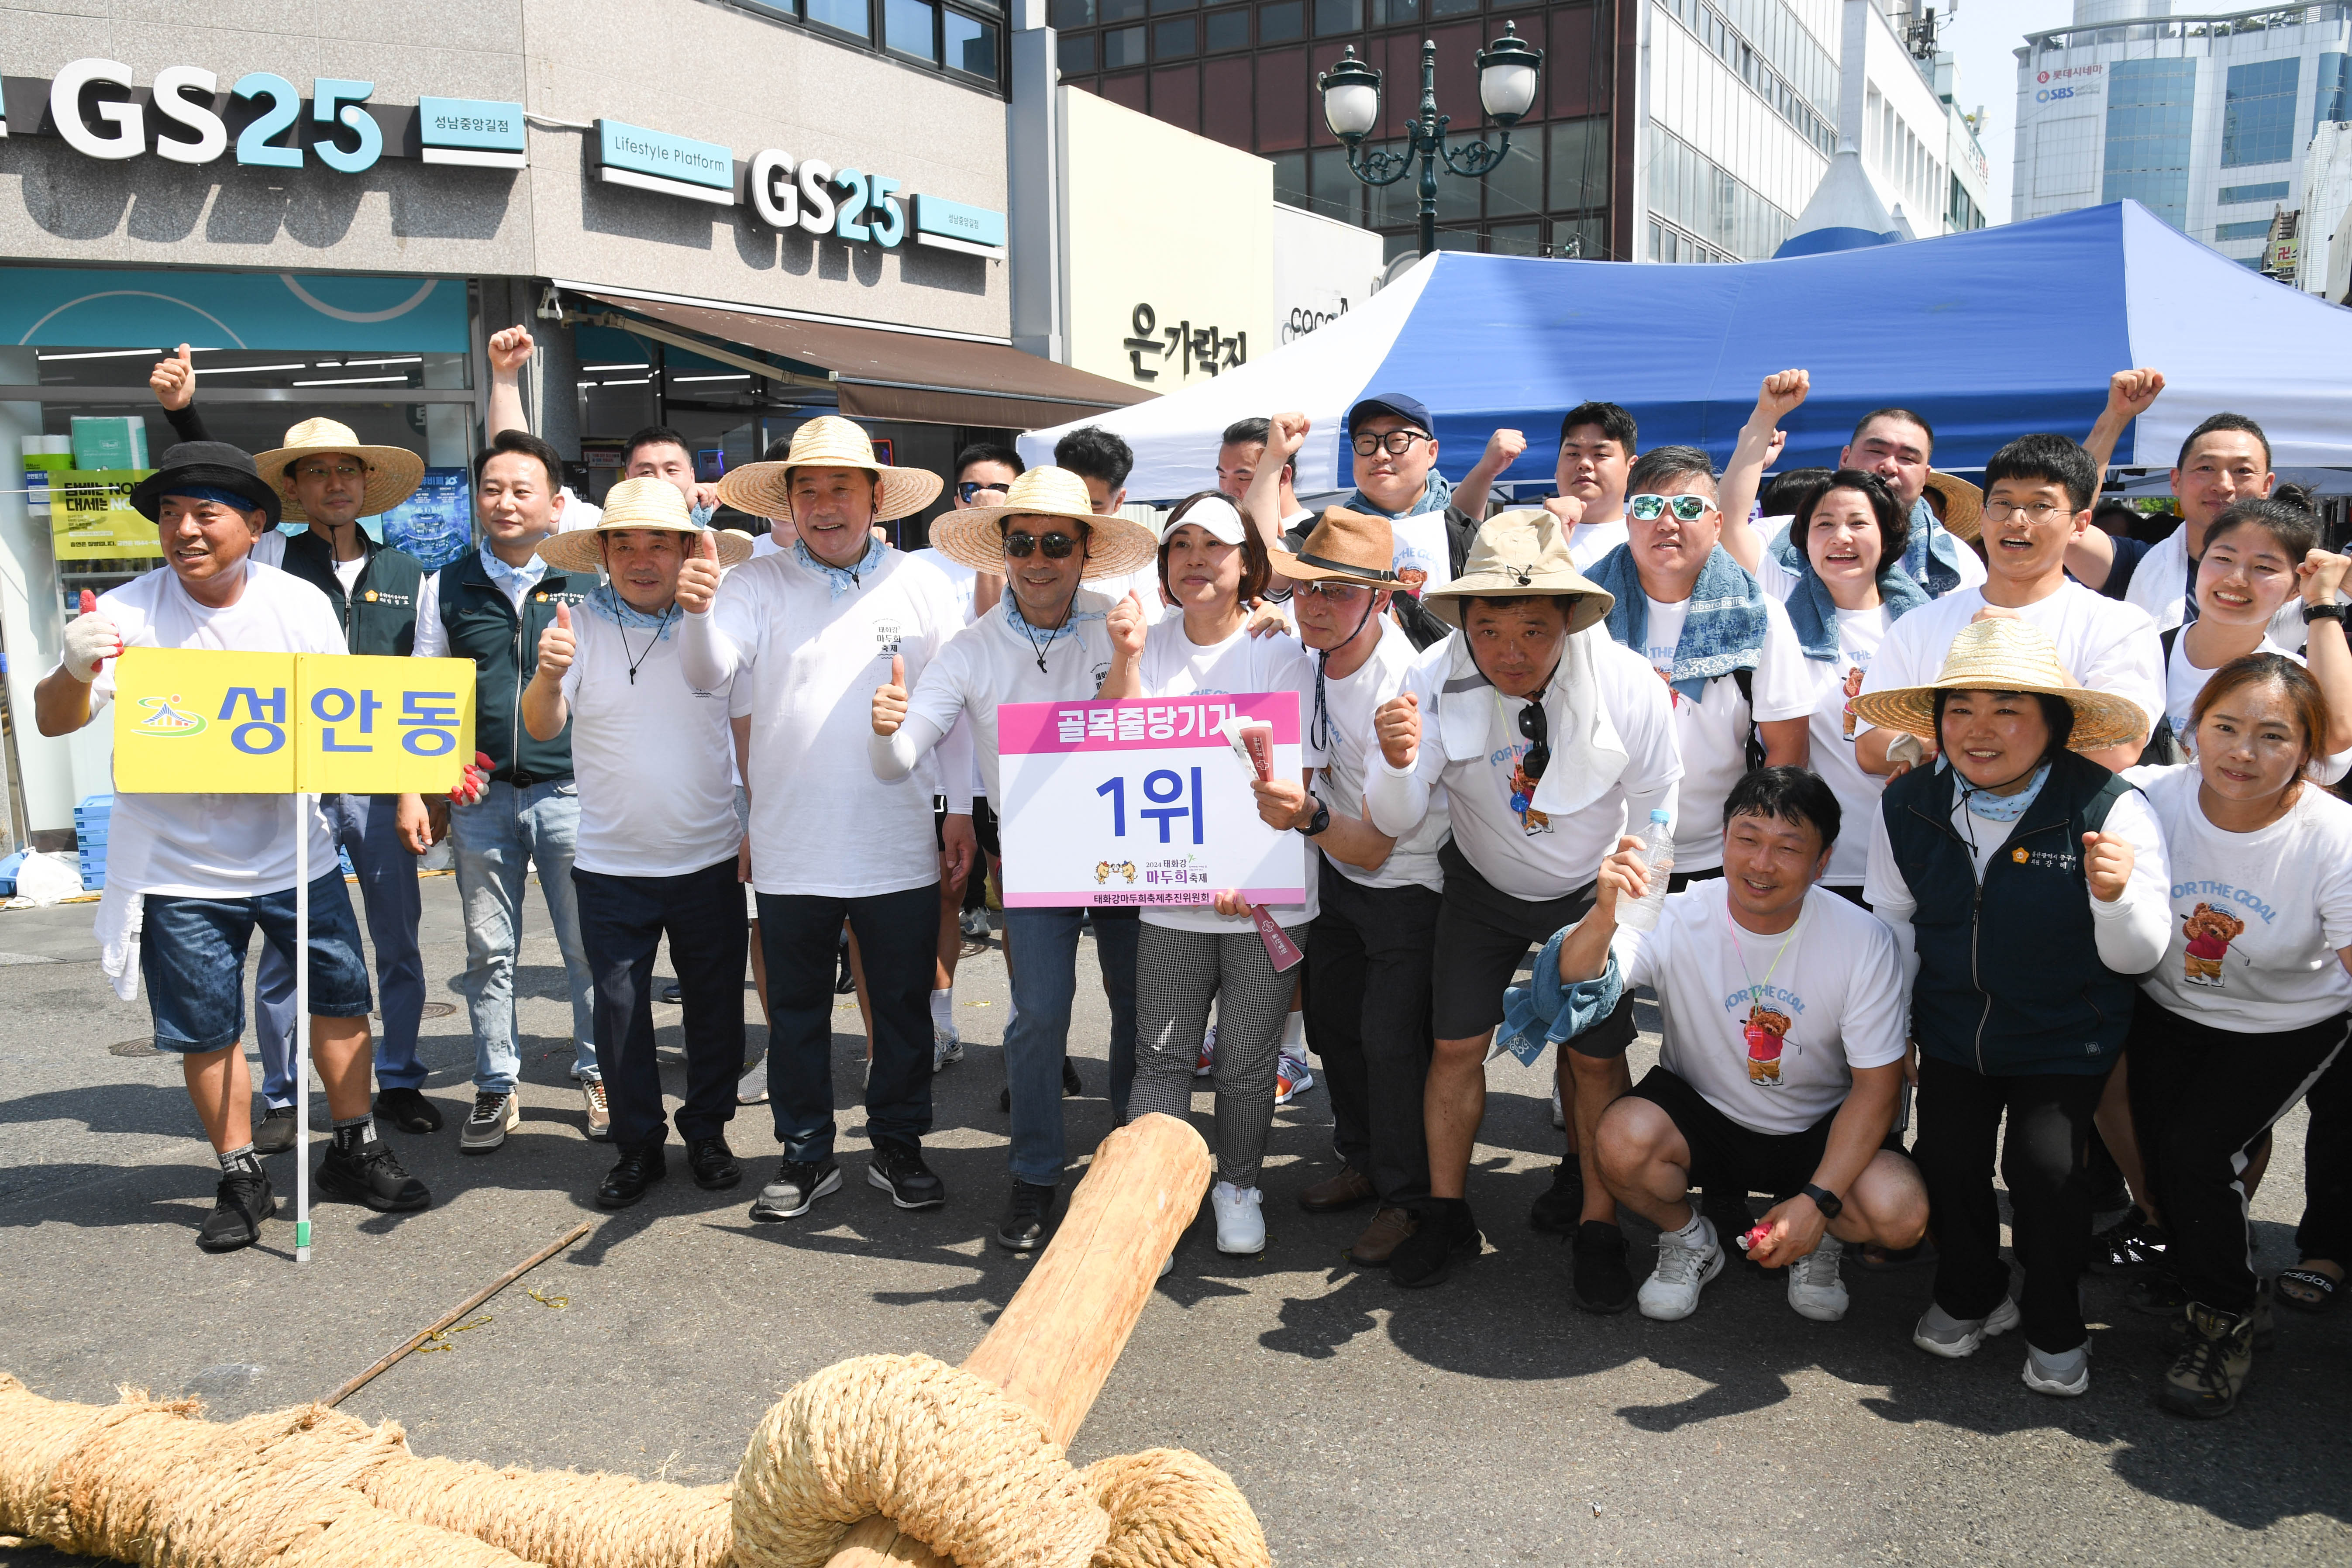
(1053, 1347)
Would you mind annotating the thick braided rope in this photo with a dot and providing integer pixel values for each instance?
(1171, 1508)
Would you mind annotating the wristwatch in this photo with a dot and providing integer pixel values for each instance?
(1828, 1202)
(2322, 612)
(1319, 821)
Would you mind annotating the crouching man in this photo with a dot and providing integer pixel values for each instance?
(1782, 1058)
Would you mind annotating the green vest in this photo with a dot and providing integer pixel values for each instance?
(481, 624)
(379, 614)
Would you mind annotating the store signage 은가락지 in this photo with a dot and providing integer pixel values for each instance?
(1203, 348)
(1142, 803)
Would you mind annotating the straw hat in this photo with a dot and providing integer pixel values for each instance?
(1521, 555)
(636, 503)
(975, 537)
(1346, 547)
(829, 441)
(2005, 654)
(1963, 503)
(393, 472)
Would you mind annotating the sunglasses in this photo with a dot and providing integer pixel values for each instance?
(970, 488)
(1535, 729)
(1057, 546)
(1338, 593)
(1649, 509)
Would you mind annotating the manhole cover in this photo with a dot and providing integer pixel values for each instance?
(142, 1046)
(432, 1010)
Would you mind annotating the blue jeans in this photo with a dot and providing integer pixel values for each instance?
(494, 840)
(191, 960)
(366, 827)
(1042, 946)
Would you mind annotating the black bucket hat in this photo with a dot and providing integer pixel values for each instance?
(216, 465)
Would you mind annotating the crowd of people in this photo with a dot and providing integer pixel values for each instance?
(1936, 821)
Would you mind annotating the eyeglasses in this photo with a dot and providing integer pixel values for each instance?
(1396, 443)
(1057, 546)
(2039, 512)
(1538, 729)
(970, 488)
(1649, 509)
(335, 471)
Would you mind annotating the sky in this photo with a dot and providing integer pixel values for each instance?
(1984, 36)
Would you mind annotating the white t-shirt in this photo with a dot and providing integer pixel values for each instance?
(1173, 664)
(822, 824)
(2257, 918)
(1351, 704)
(960, 579)
(653, 759)
(1770, 1028)
(2104, 644)
(1712, 733)
(1835, 683)
(1422, 547)
(214, 846)
(2184, 683)
(992, 662)
(1592, 540)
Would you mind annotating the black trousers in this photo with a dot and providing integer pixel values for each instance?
(1368, 1017)
(621, 921)
(1960, 1113)
(2326, 1228)
(2199, 1096)
(898, 941)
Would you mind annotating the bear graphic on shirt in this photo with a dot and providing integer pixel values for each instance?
(2209, 932)
(1852, 691)
(1766, 1029)
(1523, 800)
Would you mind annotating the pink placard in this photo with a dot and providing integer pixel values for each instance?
(1139, 723)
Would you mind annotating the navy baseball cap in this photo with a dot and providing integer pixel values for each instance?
(1409, 409)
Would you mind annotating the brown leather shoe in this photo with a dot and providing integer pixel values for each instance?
(1383, 1236)
(1344, 1191)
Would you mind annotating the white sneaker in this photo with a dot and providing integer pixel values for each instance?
(1814, 1288)
(1208, 1062)
(599, 1108)
(1559, 1115)
(1166, 1263)
(947, 1046)
(1291, 1077)
(2064, 1374)
(752, 1089)
(1940, 1333)
(1240, 1224)
(1671, 1292)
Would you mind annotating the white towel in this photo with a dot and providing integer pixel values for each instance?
(121, 915)
(1588, 755)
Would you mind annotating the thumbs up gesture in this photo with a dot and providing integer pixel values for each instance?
(891, 701)
(2108, 864)
(1398, 727)
(556, 646)
(91, 640)
(1126, 626)
(173, 380)
(698, 579)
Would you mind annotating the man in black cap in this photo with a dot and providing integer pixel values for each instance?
(1395, 446)
(190, 876)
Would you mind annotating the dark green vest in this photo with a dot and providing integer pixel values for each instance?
(2010, 978)
(379, 616)
(482, 626)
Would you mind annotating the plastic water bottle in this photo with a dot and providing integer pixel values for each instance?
(1643, 915)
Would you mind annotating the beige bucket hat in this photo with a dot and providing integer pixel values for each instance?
(393, 472)
(1345, 547)
(1963, 503)
(636, 503)
(975, 536)
(829, 441)
(2005, 654)
(1521, 555)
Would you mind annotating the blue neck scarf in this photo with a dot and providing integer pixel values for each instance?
(513, 581)
(1813, 612)
(605, 600)
(841, 579)
(2001, 807)
(1933, 556)
(1020, 626)
(1435, 496)
(1722, 631)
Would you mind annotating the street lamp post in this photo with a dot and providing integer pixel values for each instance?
(1508, 71)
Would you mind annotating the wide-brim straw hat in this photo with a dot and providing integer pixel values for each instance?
(2005, 654)
(1521, 555)
(209, 465)
(393, 472)
(974, 537)
(1345, 547)
(829, 441)
(636, 503)
(1963, 503)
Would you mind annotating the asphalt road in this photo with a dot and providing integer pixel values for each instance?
(1483, 1422)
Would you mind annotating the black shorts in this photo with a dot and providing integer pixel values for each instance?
(983, 824)
(1483, 936)
(1728, 1156)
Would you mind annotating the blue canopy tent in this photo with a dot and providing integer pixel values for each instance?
(1989, 334)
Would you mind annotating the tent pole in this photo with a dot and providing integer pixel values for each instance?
(301, 1027)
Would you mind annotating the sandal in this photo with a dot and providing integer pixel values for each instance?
(2307, 1290)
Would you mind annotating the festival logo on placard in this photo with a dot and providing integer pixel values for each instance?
(167, 719)
(1105, 870)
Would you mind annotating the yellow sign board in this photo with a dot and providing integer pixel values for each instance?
(198, 721)
(90, 514)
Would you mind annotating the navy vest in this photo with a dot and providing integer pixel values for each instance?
(379, 614)
(482, 626)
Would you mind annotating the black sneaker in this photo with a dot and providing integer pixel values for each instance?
(899, 1170)
(798, 1184)
(276, 1133)
(239, 1206)
(632, 1176)
(1025, 1212)
(1562, 1203)
(1603, 1284)
(1444, 1234)
(369, 1174)
(2158, 1295)
(1073, 1085)
(2129, 1246)
(408, 1110)
(713, 1163)
(1004, 1100)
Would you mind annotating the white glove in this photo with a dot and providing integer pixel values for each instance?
(91, 640)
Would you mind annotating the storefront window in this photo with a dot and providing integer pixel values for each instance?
(908, 28)
(1516, 239)
(847, 15)
(972, 45)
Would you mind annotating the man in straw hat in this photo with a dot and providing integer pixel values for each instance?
(2027, 888)
(657, 840)
(1549, 740)
(517, 809)
(190, 876)
(810, 633)
(1049, 640)
(1369, 975)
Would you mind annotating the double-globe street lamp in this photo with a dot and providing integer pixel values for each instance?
(1507, 72)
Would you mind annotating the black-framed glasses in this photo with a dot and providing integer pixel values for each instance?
(1396, 443)
(2038, 515)
(1057, 546)
(970, 488)
(1649, 509)
(1537, 729)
